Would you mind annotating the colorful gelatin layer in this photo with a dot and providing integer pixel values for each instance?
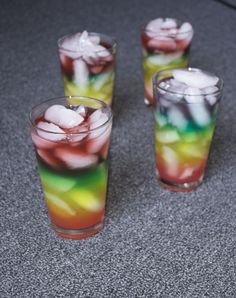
(87, 64)
(185, 117)
(165, 44)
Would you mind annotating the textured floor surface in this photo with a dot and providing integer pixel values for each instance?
(155, 243)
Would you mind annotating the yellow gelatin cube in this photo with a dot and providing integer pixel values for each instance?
(86, 200)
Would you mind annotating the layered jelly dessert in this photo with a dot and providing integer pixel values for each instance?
(185, 108)
(71, 139)
(165, 44)
(88, 65)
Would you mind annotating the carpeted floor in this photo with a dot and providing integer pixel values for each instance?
(155, 243)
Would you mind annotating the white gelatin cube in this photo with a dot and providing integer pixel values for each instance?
(50, 131)
(196, 79)
(167, 136)
(169, 155)
(185, 31)
(163, 59)
(59, 203)
(177, 118)
(81, 73)
(187, 173)
(75, 160)
(199, 113)
(63, 117)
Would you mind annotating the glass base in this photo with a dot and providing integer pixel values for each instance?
(180, 187)
(147, 102)
(77, 234)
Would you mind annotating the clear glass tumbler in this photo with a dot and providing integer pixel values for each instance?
(71, 137)
(185, 110)
(165, 44)
(88, 65)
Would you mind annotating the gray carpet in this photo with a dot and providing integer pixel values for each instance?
(155, 243)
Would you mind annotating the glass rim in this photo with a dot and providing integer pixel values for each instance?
(104, 105)
(189, 69)
(161, 33)
(61, 39)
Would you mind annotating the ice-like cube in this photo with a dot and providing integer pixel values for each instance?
(63, 117)
(211, 94)
(85, 46)
(81, 110)
(41, 142)
(98, 139)
(196, 79)
(50, 131)
(95, 39)
(176, 86)
(48, 158)
(81, 73)
(70, 46)
(185, 31)
(162, 43)
(193, 95)
(169, 24)
(75, 160)
(199, 113)
(163, 59)
(77, 133)
(97, 119)
(154, 26)
(177, 118)
(55, 200)
(167, 136)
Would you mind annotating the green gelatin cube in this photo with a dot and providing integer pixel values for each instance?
(94, 179)
(56, 182)
(160, 119)
(167, 136)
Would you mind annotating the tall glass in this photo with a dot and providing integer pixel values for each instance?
(185, 119)
(88, 65)
(73, 162)
(165, 44)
